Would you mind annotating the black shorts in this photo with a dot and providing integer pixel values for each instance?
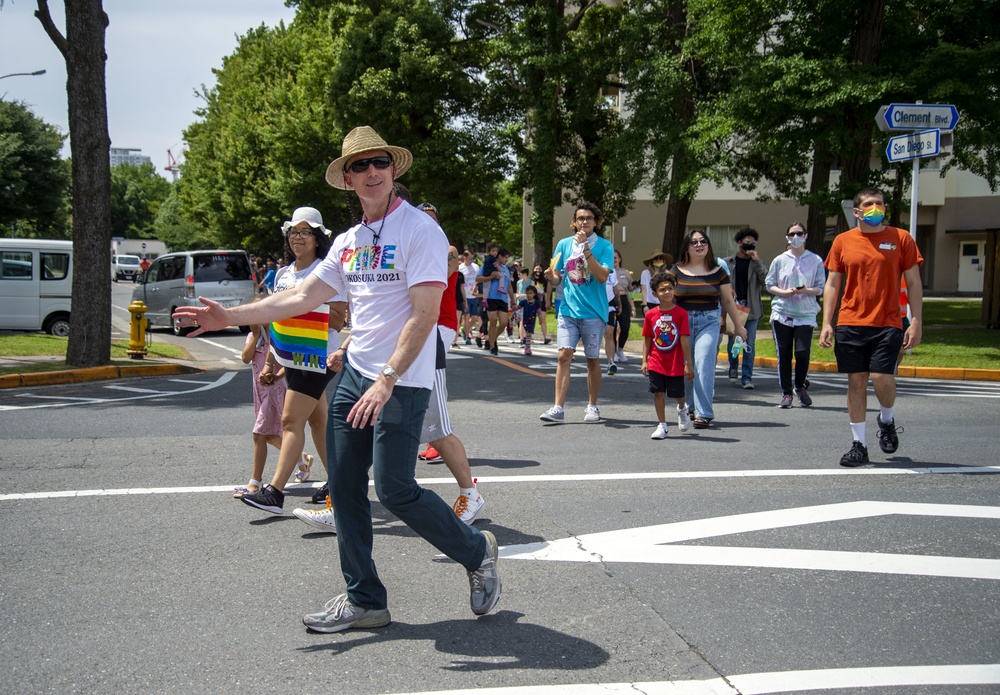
(672, 385)
(496, 305)
(312, 384)
(867, 349)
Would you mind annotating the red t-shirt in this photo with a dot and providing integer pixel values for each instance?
(666, 356)
(449, 304)
(872, 265)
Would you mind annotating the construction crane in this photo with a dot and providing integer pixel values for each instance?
(172, 166)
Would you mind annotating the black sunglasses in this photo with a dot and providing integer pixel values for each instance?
(796, 234)
(360, 166)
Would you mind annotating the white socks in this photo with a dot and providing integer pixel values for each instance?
(858, 430)
(887, 415)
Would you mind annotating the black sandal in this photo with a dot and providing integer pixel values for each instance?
(701, 423)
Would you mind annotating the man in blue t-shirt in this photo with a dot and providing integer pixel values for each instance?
(581, 263)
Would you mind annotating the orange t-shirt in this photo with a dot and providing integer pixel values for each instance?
(872, 265)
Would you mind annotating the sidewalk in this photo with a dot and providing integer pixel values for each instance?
(145, 367)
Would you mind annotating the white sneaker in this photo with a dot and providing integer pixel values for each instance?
(553, 414)
(592, 414)
(683, 419)
(468, 507)
(620, 357)
(660, 432)
(321, 519)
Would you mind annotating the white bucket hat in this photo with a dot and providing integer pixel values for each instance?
(310, 215)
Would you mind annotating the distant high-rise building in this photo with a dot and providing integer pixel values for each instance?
(128, 155)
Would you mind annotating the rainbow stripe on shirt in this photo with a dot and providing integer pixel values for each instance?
(300, 342)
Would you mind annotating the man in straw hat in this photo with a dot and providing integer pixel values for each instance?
(394, 265)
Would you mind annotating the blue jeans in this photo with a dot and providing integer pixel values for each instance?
(747, 374)
(705, 346)
(390, 450)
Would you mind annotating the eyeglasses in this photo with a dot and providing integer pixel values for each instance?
(299, 233)
(698, 242)
(360, 166)
(585, 218)
(796, 234)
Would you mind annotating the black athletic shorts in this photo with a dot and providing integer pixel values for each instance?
(672, 385)
(496, 305)
(312, 384)
(867, 349)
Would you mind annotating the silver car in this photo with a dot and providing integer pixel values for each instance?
(178, 279)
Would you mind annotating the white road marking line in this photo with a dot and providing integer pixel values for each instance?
(131, 389)
(66, 401)
(767, 683)
(227, 348)
(542, 479)
(654, 544)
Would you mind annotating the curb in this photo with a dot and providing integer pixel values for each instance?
(77, 376)
(950, 373)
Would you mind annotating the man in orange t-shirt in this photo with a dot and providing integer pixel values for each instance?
(868, 262)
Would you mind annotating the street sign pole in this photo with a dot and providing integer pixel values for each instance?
(914, 194)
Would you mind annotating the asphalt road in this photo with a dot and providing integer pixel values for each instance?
(684, 566)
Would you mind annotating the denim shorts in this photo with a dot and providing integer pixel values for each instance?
(571, 331)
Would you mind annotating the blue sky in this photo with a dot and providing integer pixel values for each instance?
(159, 53)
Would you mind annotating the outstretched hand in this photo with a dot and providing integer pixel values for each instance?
(211, 317)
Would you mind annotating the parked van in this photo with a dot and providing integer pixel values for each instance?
(178, 279)
(36, 285)
(125, 267)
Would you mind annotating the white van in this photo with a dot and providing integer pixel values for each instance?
(127, 267)
(36, 285)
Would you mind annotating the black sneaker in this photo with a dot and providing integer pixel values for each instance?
(734, 374)
(494, 350)
(486, 344)
(888, 442)
(319, 497)
(479, 341)
(804, 397)
(269, 499)
(857, 456)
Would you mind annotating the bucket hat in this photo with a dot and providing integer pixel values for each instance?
(669, 260)
(310, 215)
(360, 140)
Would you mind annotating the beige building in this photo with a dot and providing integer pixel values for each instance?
(954, 213)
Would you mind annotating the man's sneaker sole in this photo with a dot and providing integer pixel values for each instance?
(379, 620)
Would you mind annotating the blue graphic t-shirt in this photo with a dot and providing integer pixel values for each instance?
(583, 296)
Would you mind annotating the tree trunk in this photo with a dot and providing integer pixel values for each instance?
(867, 48)
(673, 228)
(818, 184)
(83, 48)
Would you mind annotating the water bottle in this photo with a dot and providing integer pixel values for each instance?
(737, 348)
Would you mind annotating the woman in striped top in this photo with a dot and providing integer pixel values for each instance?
(702, 285)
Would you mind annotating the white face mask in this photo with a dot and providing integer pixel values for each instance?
(797, 242)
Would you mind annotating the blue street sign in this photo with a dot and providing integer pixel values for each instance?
(917, 117)
(916, 145)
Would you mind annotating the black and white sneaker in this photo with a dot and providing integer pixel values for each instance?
(269, 499)
(734, 374)
(857, 456)
(888, 441)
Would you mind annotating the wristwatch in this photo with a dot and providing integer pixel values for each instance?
(390, 373)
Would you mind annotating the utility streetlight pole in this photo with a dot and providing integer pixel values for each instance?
(24, 74)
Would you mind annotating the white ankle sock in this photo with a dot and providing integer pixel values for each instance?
(858, 430)
(887, 415)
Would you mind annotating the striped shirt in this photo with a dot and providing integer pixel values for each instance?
(699, 292)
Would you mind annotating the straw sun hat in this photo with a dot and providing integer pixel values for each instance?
(358, 141)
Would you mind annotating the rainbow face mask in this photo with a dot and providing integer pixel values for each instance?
(874, 215)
